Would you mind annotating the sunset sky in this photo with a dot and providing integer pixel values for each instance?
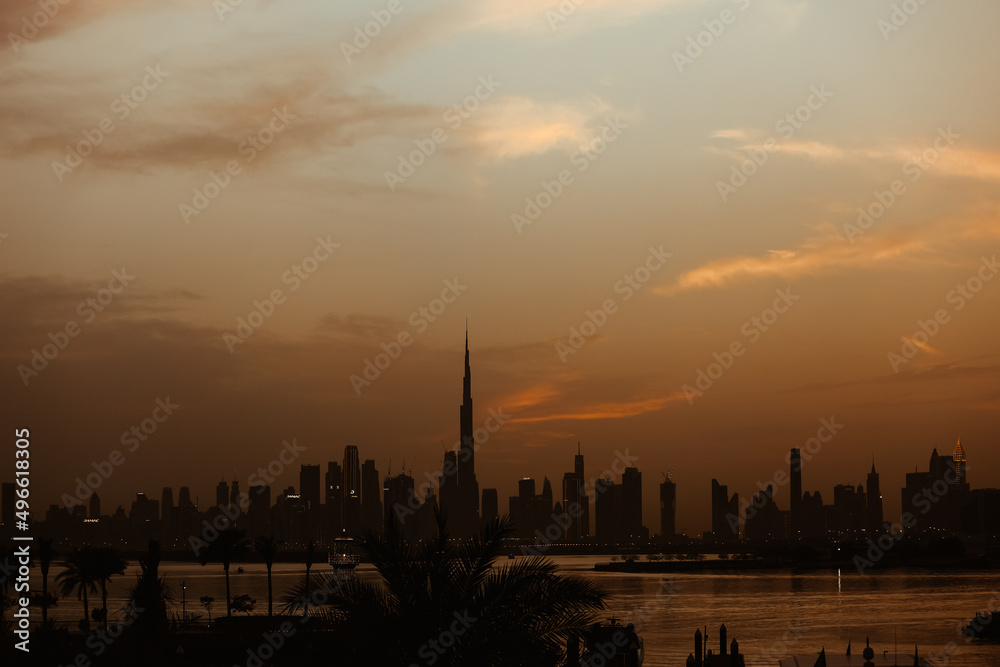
(715, 153)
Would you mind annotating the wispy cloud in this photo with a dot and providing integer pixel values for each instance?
(829, 251)
(514, 126)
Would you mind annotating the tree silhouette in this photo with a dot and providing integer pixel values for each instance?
(520, 613)
(228, 545)
(243, 603)
(267, 547)
(80, 576)
(149, 599)
(206, 602)
(108, 563)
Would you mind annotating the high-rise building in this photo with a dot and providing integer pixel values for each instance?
(850, 505)
(259, 510)
(491, 505)
(371, 496)
(958, 456)
(184, 498)
(763, 520)
(448, 485)
(468, 487)
(631, 510)
(95, 506)
(725, 514)
(352, 472)
(167, 503)
(578, 470)
(351, 512)
(940, 482)
(234, 495)
(668, 508)
(545, 505)
(334, 485)
(309, 486)
(571, 505)
(795, 501)
(221, 494)
(875, 512)
(144, 510)
(333, 482)
(524, 508)
(608, 504)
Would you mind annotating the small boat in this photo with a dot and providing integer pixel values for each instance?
(239, 570)
(343, 556)
(984, 626)
(612, 644)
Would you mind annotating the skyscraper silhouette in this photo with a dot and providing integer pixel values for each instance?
(725, 513)
(371, 496)
(468, 488)
(795, 501)
(578, 470)
(352, 472)
(351, 514)
(221, 494)
(570, 505)
(309, 486)
(632, 503)
(668, 508)
(875, 515)
(167, 503)
(491, 504)
(958, 456)
(334, 483)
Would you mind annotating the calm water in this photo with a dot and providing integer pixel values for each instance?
(771, 614)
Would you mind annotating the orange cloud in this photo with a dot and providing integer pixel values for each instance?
(615, 410)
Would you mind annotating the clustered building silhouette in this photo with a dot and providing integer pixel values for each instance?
(351, 497)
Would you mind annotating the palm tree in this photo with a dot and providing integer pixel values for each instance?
(267, 547)
(206, 602)
(45, 556)
(521, 612)
(147, 607)
(223, 549)
(80, 575)
(108, 563)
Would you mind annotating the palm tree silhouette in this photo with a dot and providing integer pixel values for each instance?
(108, 563)
(267, 547)
(148, 602)
(521, 612)
(80, 575)
(45, 556)
(223, 549)
(206, 602)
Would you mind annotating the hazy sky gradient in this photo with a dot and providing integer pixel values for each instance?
(656, 184)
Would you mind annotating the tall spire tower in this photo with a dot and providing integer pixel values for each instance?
(958, 456)
(468, 487)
